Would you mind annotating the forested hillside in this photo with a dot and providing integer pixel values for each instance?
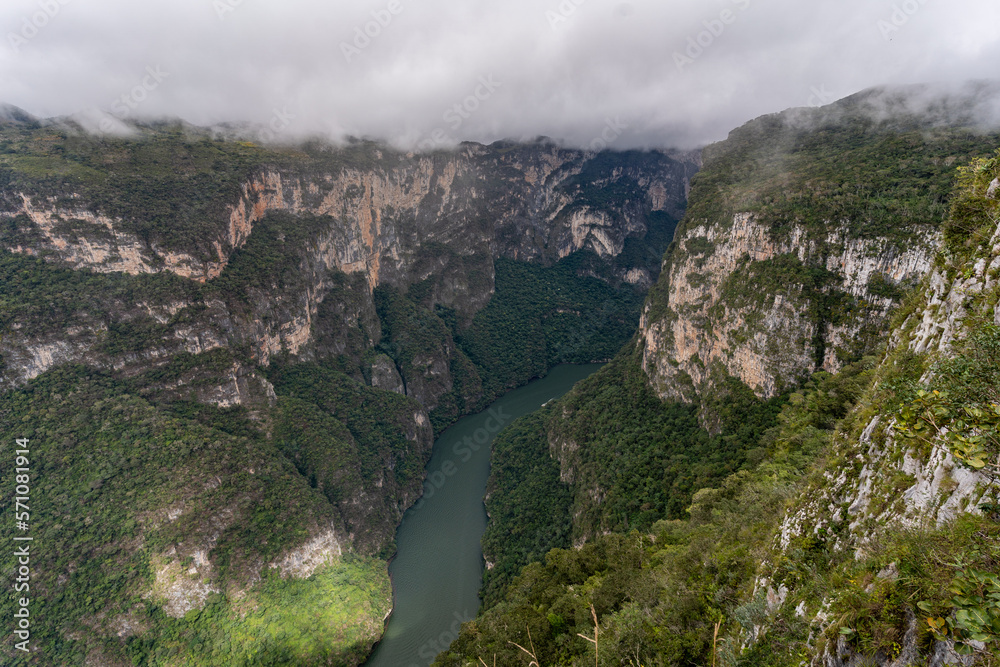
(816, 517)
(230, 361)
(804, 231)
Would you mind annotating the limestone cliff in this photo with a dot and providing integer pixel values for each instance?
(803, 231)
(957, 298)
(879, 484)
(388, 218)
(718, 323)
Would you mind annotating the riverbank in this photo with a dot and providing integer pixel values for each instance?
(438, 567)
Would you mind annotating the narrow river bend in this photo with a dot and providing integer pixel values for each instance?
(438, 567)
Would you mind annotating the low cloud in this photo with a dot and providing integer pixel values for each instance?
(676, 74)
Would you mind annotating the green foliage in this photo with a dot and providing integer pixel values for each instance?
(131, 451)
(169, 186)
(332, 618)
(595, 186)
(661, 456)
(660, 453)
(529, 507)
(699, 245)
(133, 335)
(972, 434)
(888, 178)
(961, 407)
(540, 317)
(944, 575)
(880, 286)
(43, 298)
(379, 421)
(976, 606)
(108, 472)
(753, 286)
(322, 448)
(883, 178)
(271, 258)
(974, 216)
(659, 591)
(420, 343)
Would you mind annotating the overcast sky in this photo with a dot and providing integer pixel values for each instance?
(632, 73)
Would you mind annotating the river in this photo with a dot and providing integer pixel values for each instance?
(438, 567)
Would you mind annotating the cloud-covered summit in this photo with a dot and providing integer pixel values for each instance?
(633, 73)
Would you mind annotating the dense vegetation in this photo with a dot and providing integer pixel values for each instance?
(44, 298)
(632, 461)
(541, 317)
(890, 178)
(124, 496)
(658, 591)
(528, 505)
(329, 619)
(381, 422)
(271, 259)
(151, 488)
(171, 184)
(137, 482)
(843, 168)
(538, 317)
(778, 563)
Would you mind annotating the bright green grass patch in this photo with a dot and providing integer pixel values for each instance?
(331, 618)
(34, 166)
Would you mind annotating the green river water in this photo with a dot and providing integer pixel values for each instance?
(438, 567)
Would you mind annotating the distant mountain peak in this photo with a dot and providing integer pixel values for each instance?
(12, 114)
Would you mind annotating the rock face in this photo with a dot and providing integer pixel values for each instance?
(886, 482)
(303, 562)
(717, 321)
(803, 230)
(938, 488)
(386, 376)
(389, 220)
(536, 203)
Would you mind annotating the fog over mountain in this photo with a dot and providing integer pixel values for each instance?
(620, 73)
